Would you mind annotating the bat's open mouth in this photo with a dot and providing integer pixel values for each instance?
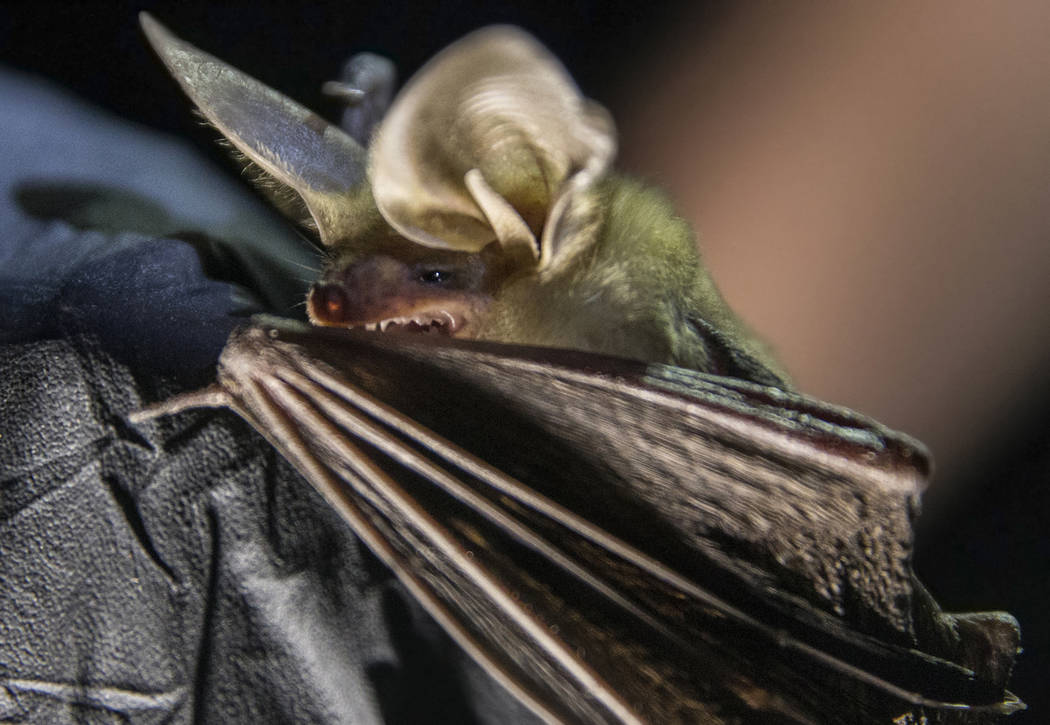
(441, 322)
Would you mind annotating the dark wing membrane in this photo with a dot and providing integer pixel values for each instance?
(621, 543)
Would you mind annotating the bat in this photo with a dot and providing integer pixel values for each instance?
(615, 539)
(483, 207)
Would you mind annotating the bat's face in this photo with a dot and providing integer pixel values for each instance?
(408, 288)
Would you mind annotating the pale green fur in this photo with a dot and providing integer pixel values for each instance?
(630, 293)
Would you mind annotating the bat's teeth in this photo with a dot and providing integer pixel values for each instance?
(434, 321)
(452, 322)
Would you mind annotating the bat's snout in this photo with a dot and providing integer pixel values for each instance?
(332, 305)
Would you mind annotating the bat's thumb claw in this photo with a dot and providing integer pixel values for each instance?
(214, 396)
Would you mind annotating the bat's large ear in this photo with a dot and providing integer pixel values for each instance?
(490, 140)
(295, 147)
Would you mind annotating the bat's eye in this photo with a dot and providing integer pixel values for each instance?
(435, 276)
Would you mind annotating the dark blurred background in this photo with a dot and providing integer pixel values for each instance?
(871, 182)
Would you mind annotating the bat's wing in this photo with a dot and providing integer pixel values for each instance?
(618, 542)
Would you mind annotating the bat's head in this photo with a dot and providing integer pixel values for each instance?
(479, 173)
(480, 208)
(474, 176)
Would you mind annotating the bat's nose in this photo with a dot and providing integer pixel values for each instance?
(327, 304)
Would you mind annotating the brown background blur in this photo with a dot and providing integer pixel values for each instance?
(872, 185)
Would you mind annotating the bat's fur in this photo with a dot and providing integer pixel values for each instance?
(623, 300)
